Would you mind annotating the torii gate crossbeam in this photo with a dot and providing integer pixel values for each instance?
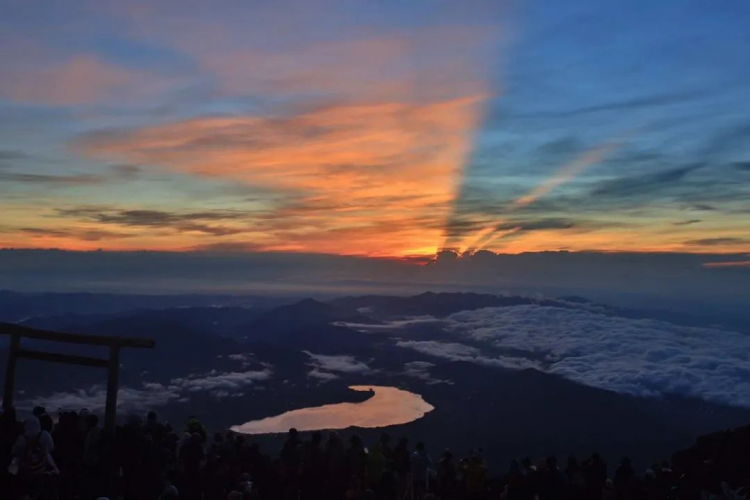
(112, 364)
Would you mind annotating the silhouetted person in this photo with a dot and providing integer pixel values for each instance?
(10, 429)
(514, 482)
(446, 475)
(151, 423)
(155, 463)
(170, 492)
(356, 460)
(335, 466)
(553, 483)
(354, 491)
(624, 479)
(384, 447)
(475, 477)
(376, 465)
(290, 463)
(576, 478)
(32, 460)
(260, 467)
(46, 423)
(191, 455)
(402, 465)
(595, 472)
(651, 490)
(530, 479)
(313, 468)
(91, 473)
(194, 426)
(217, 446)
(421, 464)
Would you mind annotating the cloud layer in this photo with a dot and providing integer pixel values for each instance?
(375, 128)
(636, 356)
(325, 367)
(421, 370)
(461, 352)
(152, 394)
(94, 398)
(343, 169)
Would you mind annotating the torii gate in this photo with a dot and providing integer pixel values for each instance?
(112, 364)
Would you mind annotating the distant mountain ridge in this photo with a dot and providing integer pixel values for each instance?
(17, 306)
(313, 350)
(307, 312)
(433, 304)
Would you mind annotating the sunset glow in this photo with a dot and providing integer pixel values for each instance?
(387, 131)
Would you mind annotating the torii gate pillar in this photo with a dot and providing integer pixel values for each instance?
(112, 364)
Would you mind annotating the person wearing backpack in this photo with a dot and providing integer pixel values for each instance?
(33, 463)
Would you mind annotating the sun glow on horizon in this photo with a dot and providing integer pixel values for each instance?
(383, 129)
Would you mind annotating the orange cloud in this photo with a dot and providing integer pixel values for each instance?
(362, 169)
(625, 239)
(364, 130)
(69, 238)
(742, 263)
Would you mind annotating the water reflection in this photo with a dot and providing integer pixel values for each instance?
(387, 406)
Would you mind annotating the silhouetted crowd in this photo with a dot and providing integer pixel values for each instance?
(73, 458)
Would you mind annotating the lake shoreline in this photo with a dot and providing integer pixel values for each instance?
(386, 407)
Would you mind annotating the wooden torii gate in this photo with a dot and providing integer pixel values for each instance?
(112, 364)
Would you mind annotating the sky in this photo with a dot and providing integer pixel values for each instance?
(376, 128)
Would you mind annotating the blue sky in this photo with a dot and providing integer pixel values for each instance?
(376, 128)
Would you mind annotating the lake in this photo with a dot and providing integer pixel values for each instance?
(387, 406)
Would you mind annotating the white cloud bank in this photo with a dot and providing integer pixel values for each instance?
(325, 366)
(462, 352)
(221, 381)
(386, 327)
(421, 370)
(635, 356)
(94, 398)
(321, 375)
(154, 394)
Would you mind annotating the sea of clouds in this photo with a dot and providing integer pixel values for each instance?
(326, 368)
(642, 357)
(218, 384)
